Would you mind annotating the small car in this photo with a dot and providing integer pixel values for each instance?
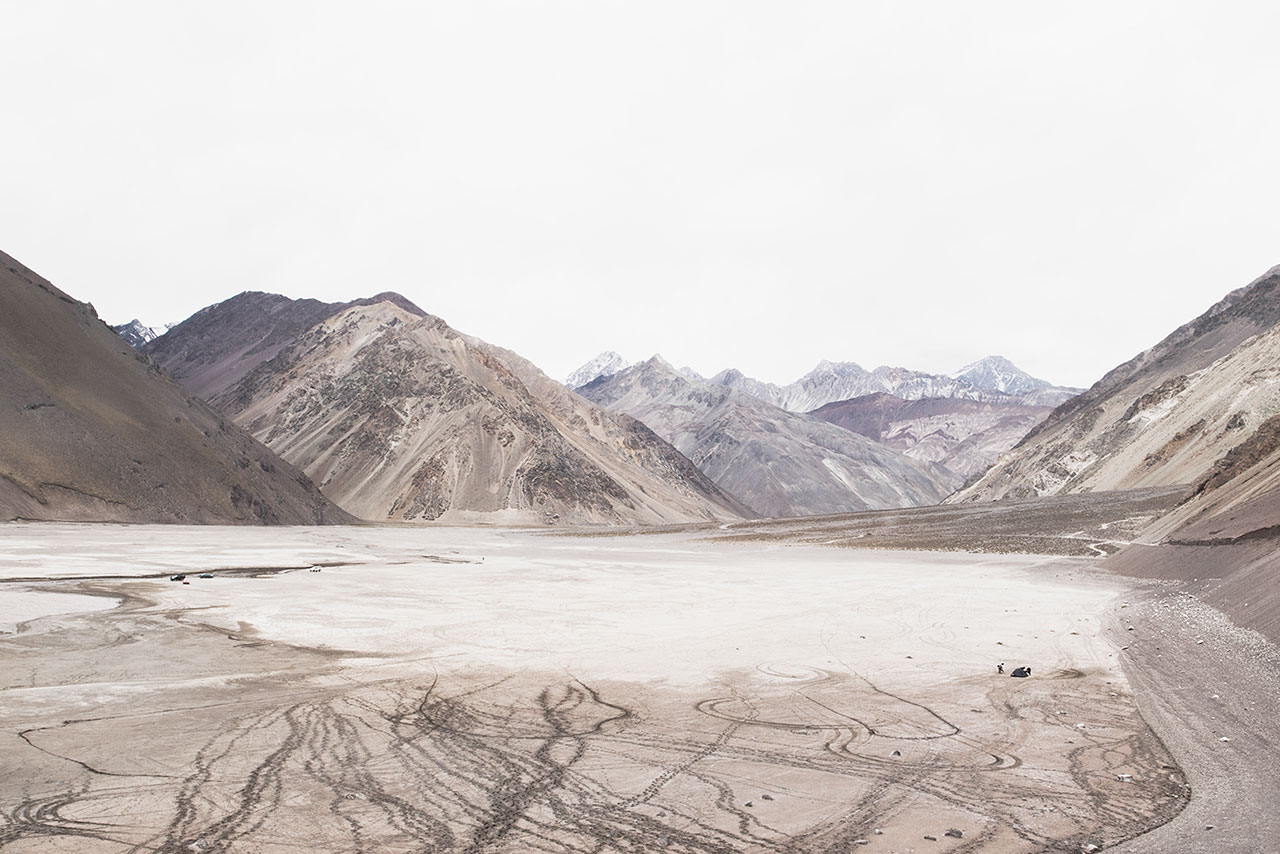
(206, 575)
(177, 578)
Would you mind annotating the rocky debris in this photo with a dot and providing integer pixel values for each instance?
(955, 834)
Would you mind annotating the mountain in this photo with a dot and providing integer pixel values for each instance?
(214, 348)
(135, 333)
(833, 381)
(399, 417)
(1191, 410)
(91, 431)
(965, 436)
(780, 463)
(996, 373)
(603, 365)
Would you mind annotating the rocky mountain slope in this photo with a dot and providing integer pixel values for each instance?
(1194, 408)
(90, 431)
(214, 348)
(399, 417)
(965, 436)
(780, 463)
(832, 381)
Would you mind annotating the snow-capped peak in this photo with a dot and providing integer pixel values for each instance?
(136, 333)
(606, 364)
(996, 373)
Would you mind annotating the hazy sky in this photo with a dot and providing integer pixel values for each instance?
(761, 185)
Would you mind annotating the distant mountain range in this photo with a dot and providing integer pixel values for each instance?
(962, 421)
(992, 380)
(399, 417)
(91, 431)
(780, 463)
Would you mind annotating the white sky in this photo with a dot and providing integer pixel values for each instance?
(759, 185)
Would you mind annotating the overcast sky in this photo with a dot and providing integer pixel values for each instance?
(759, 185)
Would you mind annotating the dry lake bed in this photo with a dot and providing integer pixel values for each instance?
(472, 689)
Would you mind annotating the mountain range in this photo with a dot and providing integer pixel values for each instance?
(993, 379)
(397, 416)
(779, 463)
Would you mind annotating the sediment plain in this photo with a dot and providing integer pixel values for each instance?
(477, 689)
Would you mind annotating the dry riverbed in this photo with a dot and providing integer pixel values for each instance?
(452, 689)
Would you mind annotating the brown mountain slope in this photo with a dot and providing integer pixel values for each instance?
(1166, 417)
(89, 431)
(214, 348)
(397, 416)
(965, 436)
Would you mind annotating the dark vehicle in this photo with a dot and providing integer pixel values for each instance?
(177, 578)
(206, 575)
(1021, 672)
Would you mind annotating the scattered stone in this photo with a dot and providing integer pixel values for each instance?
(1125, 778)
(932, 838)
(860, 842)
(1224, 738)
(749, 803)
(896, 753)
(877, 831)
(954, 833)
(1208, 827)
(766, 797)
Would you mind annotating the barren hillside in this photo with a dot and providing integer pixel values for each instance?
(90, 431)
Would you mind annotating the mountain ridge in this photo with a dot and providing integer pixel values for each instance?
(778, 462)
(400, 417)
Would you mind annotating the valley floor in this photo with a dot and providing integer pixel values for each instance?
(454, 689)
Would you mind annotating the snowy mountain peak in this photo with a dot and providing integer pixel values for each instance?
(840, 369)
(996, 373)
(728, 377)
(135, 333)
(606, 364)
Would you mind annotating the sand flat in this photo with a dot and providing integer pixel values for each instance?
(472, 689)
